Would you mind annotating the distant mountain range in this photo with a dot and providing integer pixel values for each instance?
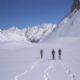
(31, 34)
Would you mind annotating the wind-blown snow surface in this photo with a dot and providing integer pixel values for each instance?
(21, 61)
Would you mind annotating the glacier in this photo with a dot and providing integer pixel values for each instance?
(20, 59)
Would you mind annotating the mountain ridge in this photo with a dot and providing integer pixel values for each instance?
(30, 34)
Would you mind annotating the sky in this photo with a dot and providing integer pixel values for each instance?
(23, 13)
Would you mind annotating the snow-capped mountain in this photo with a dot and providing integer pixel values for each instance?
(12, 34)
(35, 33)
(68, 27)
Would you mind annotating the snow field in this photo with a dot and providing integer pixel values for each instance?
(24, 63)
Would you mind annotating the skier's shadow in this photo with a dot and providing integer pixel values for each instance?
(44, 59)
(50, 59)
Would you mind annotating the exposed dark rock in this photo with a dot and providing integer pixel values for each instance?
(75, 5)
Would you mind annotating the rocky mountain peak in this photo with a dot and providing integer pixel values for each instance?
(75, 5)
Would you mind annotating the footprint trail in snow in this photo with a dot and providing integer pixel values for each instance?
(46, 72)
(69, 72)
(34, 64)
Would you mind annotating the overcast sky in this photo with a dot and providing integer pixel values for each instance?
(23, 13)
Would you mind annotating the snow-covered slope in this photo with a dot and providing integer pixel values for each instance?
(68, 27)
(35, 33)
(22, 62)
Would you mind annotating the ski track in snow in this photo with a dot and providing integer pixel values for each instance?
(69, 72)
(34, 64)
(46, 72)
